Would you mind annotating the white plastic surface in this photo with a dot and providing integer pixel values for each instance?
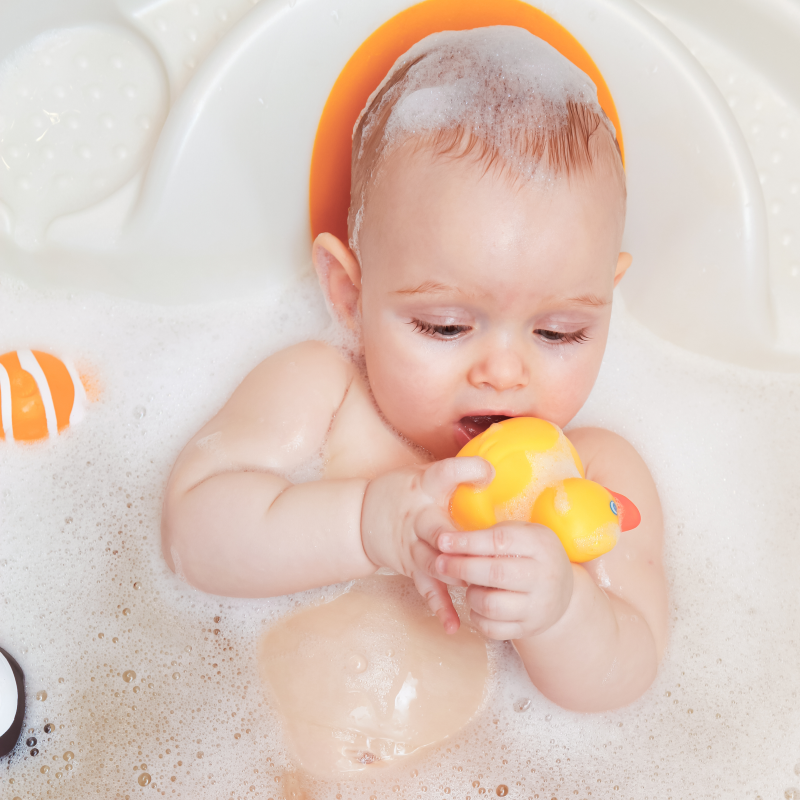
(82, 108)
(749, 48)
(221, 208)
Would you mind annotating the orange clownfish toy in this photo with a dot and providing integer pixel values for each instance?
(40, 395)
(539, 478)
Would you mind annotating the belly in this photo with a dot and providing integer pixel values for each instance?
(370, 678)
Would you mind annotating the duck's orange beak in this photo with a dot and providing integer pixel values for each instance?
(629, 516)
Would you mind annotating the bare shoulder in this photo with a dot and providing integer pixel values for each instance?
(310, 378)
(311, 362)
(633, 570)
(276, 419)
(612, 461)
(609, 456)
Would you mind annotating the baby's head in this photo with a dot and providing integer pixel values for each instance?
(487, 211)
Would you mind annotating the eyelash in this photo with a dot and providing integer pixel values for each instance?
(452, 331)
(576, 337)
(429, 329)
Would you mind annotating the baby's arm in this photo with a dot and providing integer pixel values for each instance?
(231, 524)
(591, 636)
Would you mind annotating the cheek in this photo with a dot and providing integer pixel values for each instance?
(567, 381)
(408, 379)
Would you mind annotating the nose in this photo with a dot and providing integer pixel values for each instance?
(500, 367)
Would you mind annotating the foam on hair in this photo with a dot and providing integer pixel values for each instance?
(500, 95)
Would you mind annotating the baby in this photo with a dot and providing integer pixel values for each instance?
(487, 211)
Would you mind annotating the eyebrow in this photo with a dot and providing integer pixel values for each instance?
(587, 300)
(432, 287)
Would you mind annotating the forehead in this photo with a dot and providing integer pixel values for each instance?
(458, 219)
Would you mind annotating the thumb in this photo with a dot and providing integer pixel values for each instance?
(442, 478)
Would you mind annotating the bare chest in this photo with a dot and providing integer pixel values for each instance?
(360, 444)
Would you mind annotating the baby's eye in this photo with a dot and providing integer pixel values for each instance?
(438, 331)
(559, 337)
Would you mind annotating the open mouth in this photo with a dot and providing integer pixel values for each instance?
(469, 427)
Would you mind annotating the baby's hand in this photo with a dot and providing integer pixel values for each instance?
(403, 514)
(519, 577)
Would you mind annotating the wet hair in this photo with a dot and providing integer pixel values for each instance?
(500, 96)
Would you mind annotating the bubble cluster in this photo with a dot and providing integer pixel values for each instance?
(81, 520)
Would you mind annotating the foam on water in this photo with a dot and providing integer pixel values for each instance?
(86, 598)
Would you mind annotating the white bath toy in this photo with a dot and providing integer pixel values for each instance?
(12, 702)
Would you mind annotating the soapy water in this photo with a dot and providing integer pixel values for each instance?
(80, 544)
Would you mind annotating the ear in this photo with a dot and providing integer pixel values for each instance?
(623, 262)
(339, 276)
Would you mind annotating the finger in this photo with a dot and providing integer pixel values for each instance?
(431, 523)
(438, 599)
(492, 629)
(505, 539)
(498, 604)
(424, 558)
(442, 478)
(504, 572)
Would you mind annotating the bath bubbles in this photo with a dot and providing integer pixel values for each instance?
(356, 663)
(41, 695)
(78, 583)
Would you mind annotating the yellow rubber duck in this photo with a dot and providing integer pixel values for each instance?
(539, 478)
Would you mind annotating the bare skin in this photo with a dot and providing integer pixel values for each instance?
(357, 682)
(477, 297)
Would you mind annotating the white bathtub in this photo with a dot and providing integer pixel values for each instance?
(173, 278)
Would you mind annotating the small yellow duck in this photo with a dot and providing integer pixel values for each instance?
(539, 478)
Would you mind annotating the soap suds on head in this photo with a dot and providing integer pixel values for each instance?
(500, 90)
(499, 83)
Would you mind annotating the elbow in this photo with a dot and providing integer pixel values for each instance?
(186, 547)
(170, 540)
(177, 545)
